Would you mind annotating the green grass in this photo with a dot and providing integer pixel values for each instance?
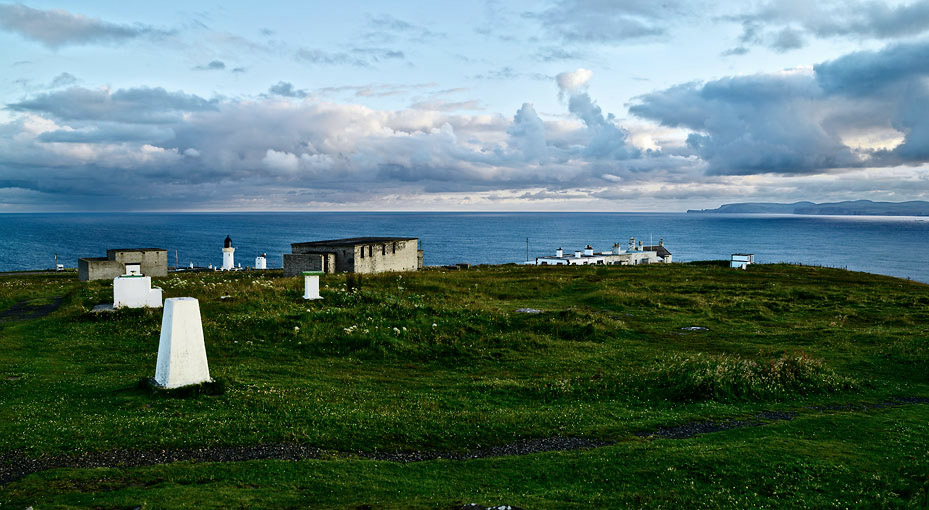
(440, 360)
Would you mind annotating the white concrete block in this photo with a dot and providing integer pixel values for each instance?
(135, 292)
(311, 284)
(181, 350)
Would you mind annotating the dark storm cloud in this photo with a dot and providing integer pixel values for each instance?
(56, 27)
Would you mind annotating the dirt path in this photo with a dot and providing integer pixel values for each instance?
(24, 310)
(16, 465)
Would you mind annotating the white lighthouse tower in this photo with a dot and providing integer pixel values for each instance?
(228, 255)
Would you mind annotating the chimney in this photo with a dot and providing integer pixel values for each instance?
(660, 242)
(631, 244)
(589, 251)
(640, 248)
(559, 253)
(577, 254)
(615, 248)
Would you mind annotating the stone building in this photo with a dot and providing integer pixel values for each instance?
(354, 255)
(148, 261)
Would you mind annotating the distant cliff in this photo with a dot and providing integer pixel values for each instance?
(853, 208)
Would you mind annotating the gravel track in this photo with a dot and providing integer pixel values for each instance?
(23, 310)
(16, 465)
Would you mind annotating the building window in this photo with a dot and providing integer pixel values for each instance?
(383, 249)
(362, 252)
(370, 251)
(395, 248)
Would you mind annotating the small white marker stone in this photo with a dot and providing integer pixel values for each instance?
(135, 291)
(181, 351)
(311, 284)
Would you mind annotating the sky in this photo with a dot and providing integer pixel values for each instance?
(565, 105)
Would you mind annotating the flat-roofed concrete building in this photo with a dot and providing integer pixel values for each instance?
(150, 261)
(354, 255)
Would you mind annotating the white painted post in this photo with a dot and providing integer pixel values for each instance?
(311, 284)
(181, 351)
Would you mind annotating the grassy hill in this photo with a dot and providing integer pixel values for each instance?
(688, 385)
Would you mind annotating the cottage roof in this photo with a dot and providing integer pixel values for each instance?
(662, 251)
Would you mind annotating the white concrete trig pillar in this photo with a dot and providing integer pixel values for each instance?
(311, 284)
(181, 351)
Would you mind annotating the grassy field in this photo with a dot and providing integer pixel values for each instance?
(441, 361)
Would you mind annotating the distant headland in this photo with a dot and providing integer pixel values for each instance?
(851, 207)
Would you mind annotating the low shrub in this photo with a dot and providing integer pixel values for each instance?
(727, 377)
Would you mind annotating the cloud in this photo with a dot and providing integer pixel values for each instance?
(358, 57)
(866, 72)
(215, 65)
(605, 21)
(527, 134)
(787, 39)
(570, 82)
(447, 106)
(557, 54)
(286, 89)
(752, 124)
(508, 73)
(386, 28)
(56, 27)
(177, 148)
(783, 25)
(806, 120)
(375, 89)
(62, 80)
(136, 105)
(737, 51)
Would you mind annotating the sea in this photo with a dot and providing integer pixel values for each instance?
(891, 245)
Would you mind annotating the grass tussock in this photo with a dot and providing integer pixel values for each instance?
(695, 377)
(214, 387)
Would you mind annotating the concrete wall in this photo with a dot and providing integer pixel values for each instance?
(98, 268)
(387, 256)
(296, 263)
(341, 258)
(154, 262)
